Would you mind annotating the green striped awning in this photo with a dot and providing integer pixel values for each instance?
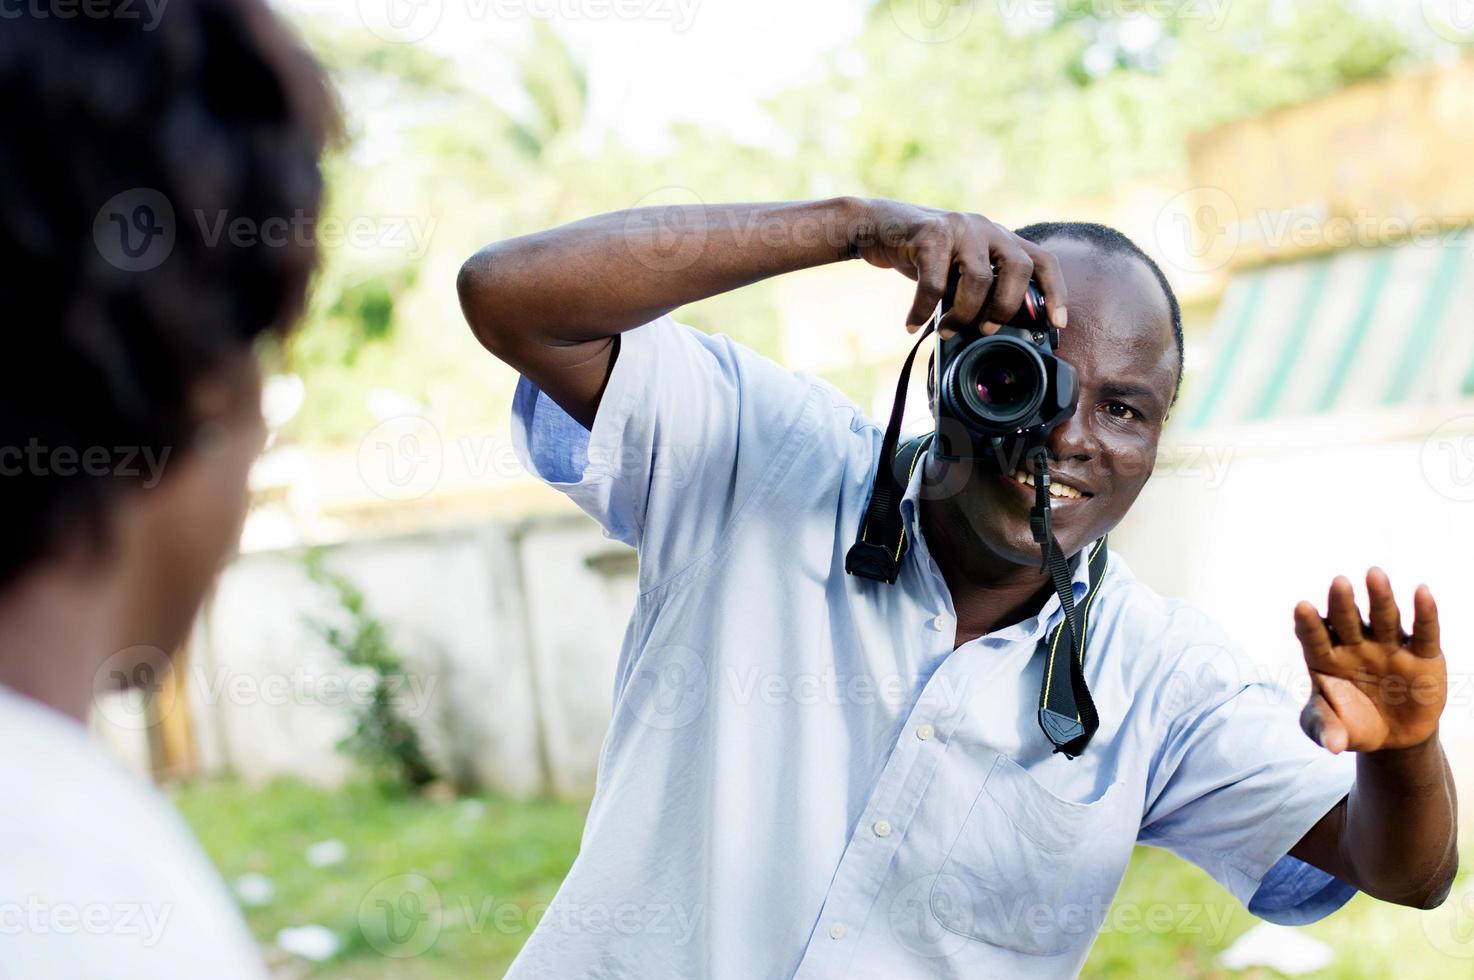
(1356, 329)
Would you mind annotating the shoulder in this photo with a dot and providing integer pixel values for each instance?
(88, 833)
(1169, 648)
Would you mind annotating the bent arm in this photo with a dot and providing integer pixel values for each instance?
(552, 304)
(1394, 836)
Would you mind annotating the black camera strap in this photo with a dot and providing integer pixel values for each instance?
(1066, 710)
(881, 543)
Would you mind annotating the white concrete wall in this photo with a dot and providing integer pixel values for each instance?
(511, 635)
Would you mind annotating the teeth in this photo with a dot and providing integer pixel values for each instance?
(1056, 489)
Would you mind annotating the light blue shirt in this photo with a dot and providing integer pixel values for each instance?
(802, 778)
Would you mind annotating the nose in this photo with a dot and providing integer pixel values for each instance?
(1072, 439)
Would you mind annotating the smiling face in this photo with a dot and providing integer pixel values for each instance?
(1120, 342)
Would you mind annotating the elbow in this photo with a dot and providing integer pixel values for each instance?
(1432, 894)
(1431, 899)
(1441, 889)
(475, 289)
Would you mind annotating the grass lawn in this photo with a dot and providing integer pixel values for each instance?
(451, 889)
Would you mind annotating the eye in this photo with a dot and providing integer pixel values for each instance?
(1122, 411)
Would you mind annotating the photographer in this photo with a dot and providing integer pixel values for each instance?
(918, 816)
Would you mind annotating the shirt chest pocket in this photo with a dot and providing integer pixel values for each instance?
(1032, 872)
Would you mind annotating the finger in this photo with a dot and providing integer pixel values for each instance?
(1050, 279)
(1345, 618)
(932, 265)
(1310, 630)
(1386, 617)
(1321, 724)
(1426, 640)
(1014, 270)
(974, 280)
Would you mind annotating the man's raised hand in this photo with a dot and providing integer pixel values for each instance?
(1374, 686)
(989, 265)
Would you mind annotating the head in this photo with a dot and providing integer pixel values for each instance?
(1125, 341)
(131, 415)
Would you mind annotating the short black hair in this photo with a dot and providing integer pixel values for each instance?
(1112, 242)
(125, 138)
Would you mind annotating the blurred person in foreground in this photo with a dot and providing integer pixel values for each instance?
(810, 774)
(129, 419)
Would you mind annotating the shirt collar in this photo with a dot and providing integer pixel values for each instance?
(1049, 614)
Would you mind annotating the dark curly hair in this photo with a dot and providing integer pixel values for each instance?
(126, 145)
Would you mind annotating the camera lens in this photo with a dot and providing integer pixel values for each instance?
(1003, 381)
(1000, 382)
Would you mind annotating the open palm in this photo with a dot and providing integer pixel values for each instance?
(1374, 686)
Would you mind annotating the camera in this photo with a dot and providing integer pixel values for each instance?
(1002, 385)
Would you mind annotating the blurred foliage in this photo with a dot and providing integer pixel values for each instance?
(1012, 115)
(382, 741)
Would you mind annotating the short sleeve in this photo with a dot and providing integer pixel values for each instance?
(691, 429)
(1236, 784)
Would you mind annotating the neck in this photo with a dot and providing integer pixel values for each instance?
(54, 625)
(989, 591)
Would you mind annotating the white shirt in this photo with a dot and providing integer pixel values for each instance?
(802, 778)
(99, 877)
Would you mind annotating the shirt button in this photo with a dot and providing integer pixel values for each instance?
(925, 732)
(836, 931)
(939, 623)
(882, 828)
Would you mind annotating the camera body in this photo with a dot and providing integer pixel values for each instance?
(1012, 383)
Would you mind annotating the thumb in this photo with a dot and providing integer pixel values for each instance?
(1325, 728)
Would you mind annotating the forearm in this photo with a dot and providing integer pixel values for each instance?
(1399, 835)
(603, 275)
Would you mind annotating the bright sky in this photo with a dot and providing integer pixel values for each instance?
(650, 62)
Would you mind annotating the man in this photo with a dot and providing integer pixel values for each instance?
(129, 418)
(815, 775)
